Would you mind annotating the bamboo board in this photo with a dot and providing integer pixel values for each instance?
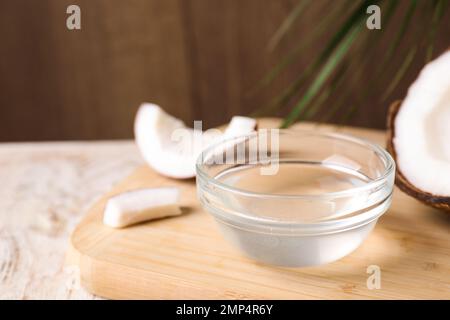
(186, 257)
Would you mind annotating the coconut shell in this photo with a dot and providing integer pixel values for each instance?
(432, 200)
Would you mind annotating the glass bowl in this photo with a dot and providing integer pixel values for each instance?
(295, 198)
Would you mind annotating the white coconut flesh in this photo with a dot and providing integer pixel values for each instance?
(422, 129)
(170, 147)
(239, 126)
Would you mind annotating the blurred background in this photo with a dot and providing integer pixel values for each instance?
(198, 59)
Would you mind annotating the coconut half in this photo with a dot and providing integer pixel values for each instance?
(419, 135)
(170, 147)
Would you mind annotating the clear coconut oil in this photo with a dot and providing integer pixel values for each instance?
(314, 210)
(279, 198)
(293, 179)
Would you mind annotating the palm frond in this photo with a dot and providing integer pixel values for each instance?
(322, 76)
(287, 24)
(344, 57)
(439, 10)
(317, 32)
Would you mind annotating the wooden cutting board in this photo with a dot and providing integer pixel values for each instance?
(186, 257)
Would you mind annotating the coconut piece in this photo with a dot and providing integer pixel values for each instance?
(170, 147)
(419, 134)
(165, 142)
(240, 125)
(141, 205)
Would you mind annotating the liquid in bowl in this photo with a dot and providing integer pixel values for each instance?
(312, 211)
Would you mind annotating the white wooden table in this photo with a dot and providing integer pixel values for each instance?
(44, 190)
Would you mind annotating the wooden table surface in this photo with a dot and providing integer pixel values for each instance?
(44, 190)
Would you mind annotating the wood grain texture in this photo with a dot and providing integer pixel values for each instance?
(186, 257)
(88, 83)
(44, 189)
(198, 59)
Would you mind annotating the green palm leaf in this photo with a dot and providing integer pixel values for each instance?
(344, 56)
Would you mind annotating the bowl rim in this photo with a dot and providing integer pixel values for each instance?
(372, 184)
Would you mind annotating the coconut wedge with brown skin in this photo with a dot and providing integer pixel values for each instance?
(419, 136)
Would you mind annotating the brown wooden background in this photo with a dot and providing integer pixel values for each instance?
(196, 58)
